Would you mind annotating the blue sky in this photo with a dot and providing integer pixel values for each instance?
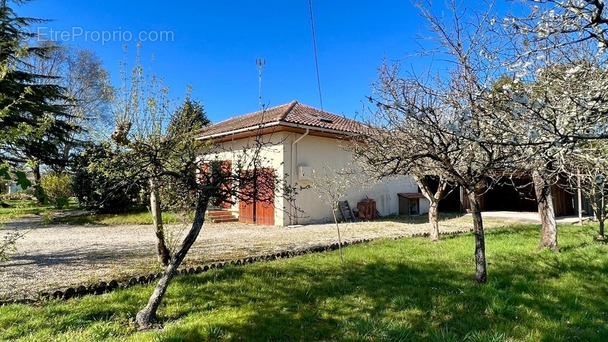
(213, 45)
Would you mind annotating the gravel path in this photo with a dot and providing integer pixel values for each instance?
(57, 256)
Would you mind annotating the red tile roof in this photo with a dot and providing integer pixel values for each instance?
(289, 114)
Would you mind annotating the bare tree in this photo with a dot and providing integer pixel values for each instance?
(444, 117)
(533, 152)
(243, 181)
(158, 154)
(155, 135)
(81, 73)
(381, 154)
(552, 100)
(427, 114)
(193, 167)
(590, 178)
(552, 20)
(142, 107)
(332, 186)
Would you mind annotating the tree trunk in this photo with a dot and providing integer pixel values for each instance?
(579, 195)
(548, 232)
(481, 269)
(38, 190)
(146, 316)
(434, 198)
(339, 236)
(65, 154)
(36, 172)
(434, 220)
(600, 211)
(163, 253)
(603, 216)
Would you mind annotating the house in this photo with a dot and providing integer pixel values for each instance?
(299, 140)
(12, 186)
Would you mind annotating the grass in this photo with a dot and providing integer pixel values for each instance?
(406, 290)
(138, 217)
(30, 207)
(23, 208)
(423, 218)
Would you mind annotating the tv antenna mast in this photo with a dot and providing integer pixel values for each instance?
(260, 62)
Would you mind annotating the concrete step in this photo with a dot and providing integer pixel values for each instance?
(219, 212)
(225, 220)
(220, 216)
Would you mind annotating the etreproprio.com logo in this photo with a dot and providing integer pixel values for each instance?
(78, 33)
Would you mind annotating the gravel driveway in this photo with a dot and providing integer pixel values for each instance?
(54, 257)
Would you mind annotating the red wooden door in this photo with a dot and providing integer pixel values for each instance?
(246, 202)
(227, 186)
(257, 199)
(264, 204)
(225, 168)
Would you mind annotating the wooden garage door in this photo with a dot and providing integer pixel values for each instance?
(257, 203)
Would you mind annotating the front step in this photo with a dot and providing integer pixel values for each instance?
(225, 220)
(221, 216)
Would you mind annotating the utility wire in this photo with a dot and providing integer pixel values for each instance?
(314, 45)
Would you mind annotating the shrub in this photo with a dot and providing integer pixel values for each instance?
(104, 192)
(7, 245)
(57, 188)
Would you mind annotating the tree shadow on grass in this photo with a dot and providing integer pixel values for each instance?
(389, 300)
(301, 303)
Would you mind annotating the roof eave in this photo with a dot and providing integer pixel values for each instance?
(319, 129)
(278, 123)
(237, 131)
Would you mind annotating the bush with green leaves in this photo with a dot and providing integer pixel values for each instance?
(102, 190)
(57, 188)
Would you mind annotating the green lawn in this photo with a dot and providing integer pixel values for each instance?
(23, 208)
(138, 217)
(406, 290)
(29, 207)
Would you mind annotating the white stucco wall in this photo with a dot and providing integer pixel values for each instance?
(321, 153)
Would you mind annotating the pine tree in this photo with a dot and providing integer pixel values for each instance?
(31, 114)
(190, 116)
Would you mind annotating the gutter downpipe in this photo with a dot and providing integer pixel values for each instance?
(294, 171)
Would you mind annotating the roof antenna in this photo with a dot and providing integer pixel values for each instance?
(260, 62)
